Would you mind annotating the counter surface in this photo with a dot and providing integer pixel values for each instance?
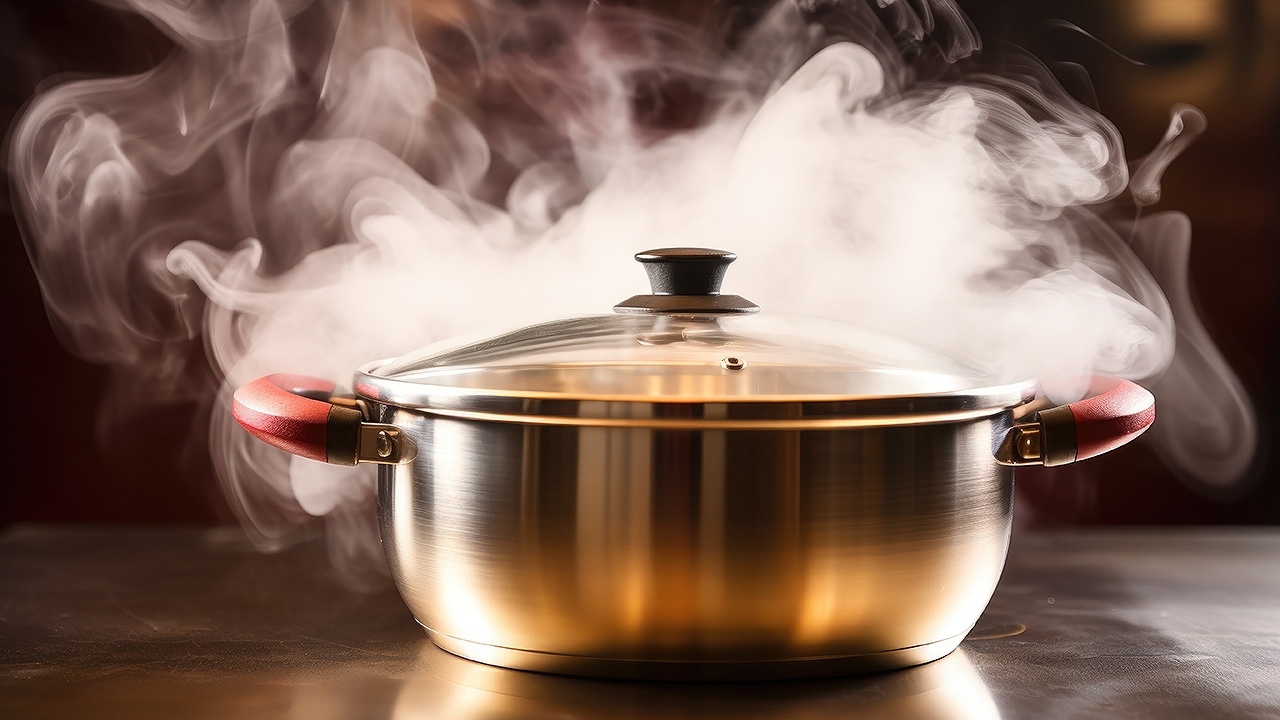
(144, 623)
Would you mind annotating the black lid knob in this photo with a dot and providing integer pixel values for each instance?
(685, 271)
(686, 280)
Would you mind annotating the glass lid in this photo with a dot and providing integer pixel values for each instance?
(686, 343)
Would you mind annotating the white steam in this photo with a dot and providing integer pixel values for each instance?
(345, 181)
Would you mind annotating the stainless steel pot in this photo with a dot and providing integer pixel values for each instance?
(686, 489)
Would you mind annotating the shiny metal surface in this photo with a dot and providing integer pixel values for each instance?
(384, 445)
(147, 623)
(641, 552)
(1021, 446)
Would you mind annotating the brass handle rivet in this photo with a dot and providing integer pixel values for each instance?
(385, 444)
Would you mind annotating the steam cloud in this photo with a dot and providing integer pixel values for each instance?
(345, 181)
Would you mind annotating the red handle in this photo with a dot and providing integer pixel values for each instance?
(277, 410)
(1097, 424)
(1111, 419)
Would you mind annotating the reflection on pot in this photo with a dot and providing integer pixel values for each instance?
(450, 687)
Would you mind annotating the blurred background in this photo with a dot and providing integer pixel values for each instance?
(61, 463)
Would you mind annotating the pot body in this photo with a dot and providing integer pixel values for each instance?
(653, 552)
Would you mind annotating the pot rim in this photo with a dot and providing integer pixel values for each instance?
(539, 407)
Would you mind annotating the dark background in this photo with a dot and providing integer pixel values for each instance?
(62, 464)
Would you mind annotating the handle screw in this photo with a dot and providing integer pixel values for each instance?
(386, 445)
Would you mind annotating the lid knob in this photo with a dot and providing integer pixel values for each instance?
(685, 271)
(686, 280)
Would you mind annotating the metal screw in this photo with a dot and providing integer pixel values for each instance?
(1027, 443)
(385, 444)
(733, 363)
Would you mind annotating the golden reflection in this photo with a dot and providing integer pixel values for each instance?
(445, 686)
(1191, 51)
(1167, 18)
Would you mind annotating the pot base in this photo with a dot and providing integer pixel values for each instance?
(685, 671)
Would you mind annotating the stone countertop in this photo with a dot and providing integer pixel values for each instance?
(147, 622)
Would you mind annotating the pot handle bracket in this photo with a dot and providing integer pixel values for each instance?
(302, 416)
(1120, 412)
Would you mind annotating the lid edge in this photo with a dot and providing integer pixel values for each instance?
(511, 404)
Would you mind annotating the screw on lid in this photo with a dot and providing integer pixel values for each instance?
(686, 280)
